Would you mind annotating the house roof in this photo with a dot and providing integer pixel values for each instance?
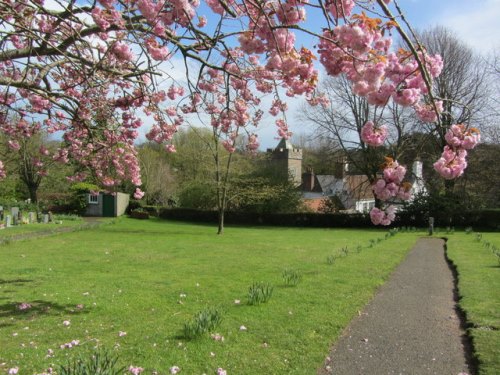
(356, 186)
(329, 184)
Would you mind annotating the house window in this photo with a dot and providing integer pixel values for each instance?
(93, 199)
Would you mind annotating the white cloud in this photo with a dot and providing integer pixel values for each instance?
(476, 25)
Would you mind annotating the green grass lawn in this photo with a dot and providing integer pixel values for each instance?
(148, 278)
(478, 283)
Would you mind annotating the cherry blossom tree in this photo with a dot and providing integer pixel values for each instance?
(93, 70)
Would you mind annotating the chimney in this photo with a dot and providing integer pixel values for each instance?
(417, 169)
(341, 168)
(308, 180)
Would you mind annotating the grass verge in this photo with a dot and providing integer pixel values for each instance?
(478, 279)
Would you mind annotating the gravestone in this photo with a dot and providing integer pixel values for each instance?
(14, 211)
(431, 226)
(51, 218)
(31, 217)
(15, 220)
(8, 222)
(45, 218)
(1, 213)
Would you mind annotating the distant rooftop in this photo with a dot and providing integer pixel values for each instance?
(284, 144)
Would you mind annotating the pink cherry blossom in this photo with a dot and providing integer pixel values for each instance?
(452, 163)
(372, 135)
(382, 217)
(138, 194)
(459, 137)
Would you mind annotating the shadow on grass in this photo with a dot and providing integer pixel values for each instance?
(32, 309)
(15, 281)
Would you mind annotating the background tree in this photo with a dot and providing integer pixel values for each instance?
(158, 178)
(462, 85)
(28, 158)
(341, 123)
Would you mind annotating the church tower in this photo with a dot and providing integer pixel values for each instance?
(288, 160)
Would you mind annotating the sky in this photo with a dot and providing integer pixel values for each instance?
(476, 22)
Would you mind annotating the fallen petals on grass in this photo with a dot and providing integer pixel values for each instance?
(217, 337)
(243, 328)
(221, 371)
(175, 369)
(66, 323)
(24, 306)
(122, 333)
(13, 370)
(69, 345)
(135, 370)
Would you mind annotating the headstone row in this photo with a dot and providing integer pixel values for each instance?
(16, 217)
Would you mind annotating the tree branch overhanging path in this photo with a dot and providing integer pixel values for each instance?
(95, 70)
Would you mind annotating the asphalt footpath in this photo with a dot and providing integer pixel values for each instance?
(410, 327)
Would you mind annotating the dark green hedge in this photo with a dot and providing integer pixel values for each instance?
(484, 219)
(478, 220)
(289, 220)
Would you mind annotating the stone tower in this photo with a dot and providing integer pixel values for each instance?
(288, 160)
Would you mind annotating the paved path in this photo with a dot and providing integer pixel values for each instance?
(410, 327)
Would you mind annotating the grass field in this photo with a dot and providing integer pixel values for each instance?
(148, 278)
(478, 271)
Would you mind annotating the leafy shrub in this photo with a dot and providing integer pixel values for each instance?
(100, 362)
(259, 292)
(202, 322)
(291, 277)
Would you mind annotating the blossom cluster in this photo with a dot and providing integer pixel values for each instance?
(389, 187)
(459, 139)
(361, 52)
(373, 135)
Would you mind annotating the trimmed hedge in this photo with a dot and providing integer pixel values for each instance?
(484, 219)
(477, 219)
(288, 220)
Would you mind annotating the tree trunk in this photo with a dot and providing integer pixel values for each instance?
(33, 193)
(220, 229)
